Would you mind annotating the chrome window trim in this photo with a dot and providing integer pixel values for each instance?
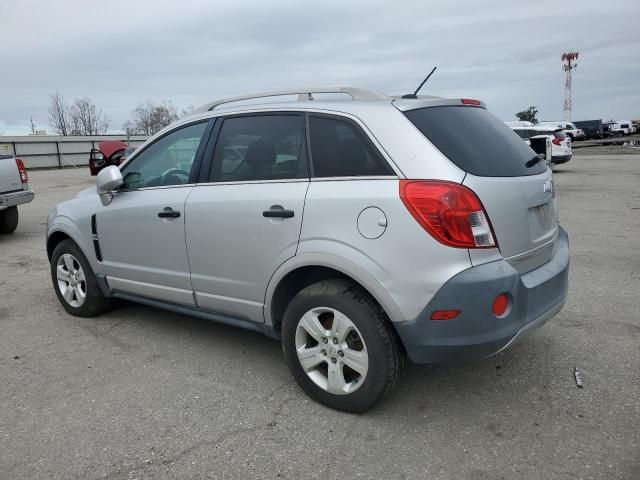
(159, 187)
(357, 177)
(254, 182)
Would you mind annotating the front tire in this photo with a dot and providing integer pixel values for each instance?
(340, 347)
(75, 283)
(9, 220)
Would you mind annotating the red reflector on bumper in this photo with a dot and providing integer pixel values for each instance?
(444, 314)
(500, 304)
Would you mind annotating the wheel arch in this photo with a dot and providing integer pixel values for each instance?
(54, 239)
(62, 230)
(302, 271)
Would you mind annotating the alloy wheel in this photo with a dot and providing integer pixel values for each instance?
(331, 350)
(71, 280)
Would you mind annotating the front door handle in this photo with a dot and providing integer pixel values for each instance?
(168, 212)
(278, 213)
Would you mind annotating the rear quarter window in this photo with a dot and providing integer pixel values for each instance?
(476, 141)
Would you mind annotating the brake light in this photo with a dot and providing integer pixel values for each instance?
(470, 101)
(556, 141)
(449, 212)
(24, 178)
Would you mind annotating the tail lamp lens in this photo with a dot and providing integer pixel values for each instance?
(449, 212)
(556, 141)
(24, 178)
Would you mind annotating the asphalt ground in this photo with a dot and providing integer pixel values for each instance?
(144, 393)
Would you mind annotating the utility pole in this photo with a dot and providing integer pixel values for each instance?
(33, 127)
(568, 65)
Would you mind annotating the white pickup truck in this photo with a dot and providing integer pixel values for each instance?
(14, 190)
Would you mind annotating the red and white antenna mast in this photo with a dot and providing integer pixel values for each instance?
(568, 65)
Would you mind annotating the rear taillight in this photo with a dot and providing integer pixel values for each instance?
(556, 141)
(449, 212)
(470, 101)
(24, 178)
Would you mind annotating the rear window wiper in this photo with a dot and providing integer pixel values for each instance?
(533, 161)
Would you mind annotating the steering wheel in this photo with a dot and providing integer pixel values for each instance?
(174, 171)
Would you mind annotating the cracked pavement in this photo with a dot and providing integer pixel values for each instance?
(141, 393)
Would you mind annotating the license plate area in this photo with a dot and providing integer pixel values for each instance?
(542, 221)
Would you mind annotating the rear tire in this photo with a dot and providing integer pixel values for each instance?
(332, 326)
(9, 220)
(75, 283)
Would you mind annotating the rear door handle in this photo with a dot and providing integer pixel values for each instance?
(278, 213)
(168, 212)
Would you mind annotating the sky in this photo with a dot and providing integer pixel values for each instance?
(189, 52)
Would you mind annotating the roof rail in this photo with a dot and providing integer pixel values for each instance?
(303, 94)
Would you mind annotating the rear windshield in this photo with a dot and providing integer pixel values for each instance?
(523, 134)
(476, 141)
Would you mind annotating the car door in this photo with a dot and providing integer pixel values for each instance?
(243, 219)
(141, 232)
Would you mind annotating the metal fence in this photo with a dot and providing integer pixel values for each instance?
(49, 151)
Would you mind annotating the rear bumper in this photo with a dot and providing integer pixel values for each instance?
(15, 198)
(558, 159)
(476, 333)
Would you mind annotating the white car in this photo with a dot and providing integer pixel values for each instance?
(568, 128)
(622, 127)
(560, 143)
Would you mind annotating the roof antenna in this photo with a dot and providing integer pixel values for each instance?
(414, 95)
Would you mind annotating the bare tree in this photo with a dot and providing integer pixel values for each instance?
(86, 118)
(186, 111)
(59, 120)
(149, 117)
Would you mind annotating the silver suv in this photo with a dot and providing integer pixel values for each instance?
(355, 230)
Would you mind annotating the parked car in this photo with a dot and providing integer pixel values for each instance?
(570, 129)
(109, 152)
(14, 191)
(560, 144)
(520, 123)
(420, 235)
(541, 143)
(621, 127)
(592, 128)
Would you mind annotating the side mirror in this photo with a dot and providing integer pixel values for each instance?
(107, 181)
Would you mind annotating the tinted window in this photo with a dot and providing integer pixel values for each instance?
(476, 141)
(266, 147)
(168, 161)
(340, 149)
(523, 133)
(560, 135)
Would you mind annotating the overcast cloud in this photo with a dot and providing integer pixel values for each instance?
(506, 53)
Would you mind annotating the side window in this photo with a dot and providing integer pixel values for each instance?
(167, 161)
(340, 149)
(264, 147)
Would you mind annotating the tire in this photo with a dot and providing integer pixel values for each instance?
(9, 220)
(369, 336)
(87, 300)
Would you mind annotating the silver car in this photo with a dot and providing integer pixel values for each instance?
(356, 230)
